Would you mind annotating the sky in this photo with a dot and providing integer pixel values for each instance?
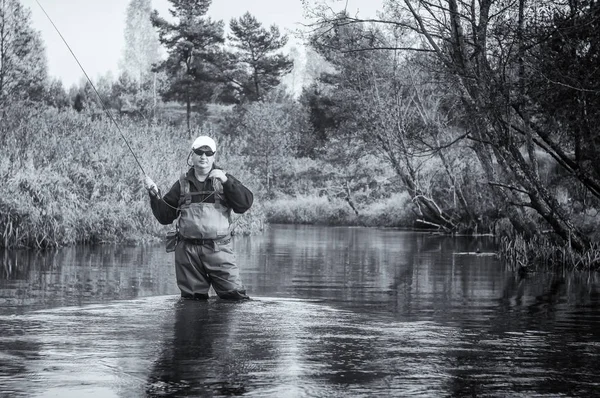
(94, 29)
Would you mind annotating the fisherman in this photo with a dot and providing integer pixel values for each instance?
(202, 201)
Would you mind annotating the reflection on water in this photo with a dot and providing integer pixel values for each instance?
(79, 275)
(336, 312)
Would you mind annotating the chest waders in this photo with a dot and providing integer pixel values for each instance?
(204, 255)
(200, 219)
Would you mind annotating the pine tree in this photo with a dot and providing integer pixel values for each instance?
(193, 43)
(255, 67)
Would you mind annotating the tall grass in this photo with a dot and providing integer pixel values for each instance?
(66, 179)
(395, 211)
(308, 210)
(540, 253)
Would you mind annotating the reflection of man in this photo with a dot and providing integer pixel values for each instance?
(187, 365)
(203, 200)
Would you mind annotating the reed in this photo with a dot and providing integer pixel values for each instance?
(541, 253)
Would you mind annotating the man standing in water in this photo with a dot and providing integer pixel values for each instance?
(203, 199)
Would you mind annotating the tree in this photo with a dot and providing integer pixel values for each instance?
(125, 93)
(141, 52)
(85, 99)
(254, 66)
(56, 96)
(564, 75)
(192, 43)
(271, 125)
(376, 101)
(484, 45)
(23, 71)
(142, 48)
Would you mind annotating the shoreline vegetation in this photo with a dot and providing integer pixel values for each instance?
(362, 124)
(70, 180)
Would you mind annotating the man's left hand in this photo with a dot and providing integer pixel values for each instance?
(220, 174)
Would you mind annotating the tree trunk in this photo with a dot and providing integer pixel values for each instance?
(349, 198)
(431, 213)
(154, 99)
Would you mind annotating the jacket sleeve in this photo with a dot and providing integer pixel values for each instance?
(237, 195)
(165, 208)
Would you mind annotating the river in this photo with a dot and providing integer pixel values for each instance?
(336, 312)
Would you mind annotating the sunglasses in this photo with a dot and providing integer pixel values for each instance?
(200, 152)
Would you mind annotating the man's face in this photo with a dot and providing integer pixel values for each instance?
(203, 158)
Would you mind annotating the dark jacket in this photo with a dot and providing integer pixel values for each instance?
(238, 197)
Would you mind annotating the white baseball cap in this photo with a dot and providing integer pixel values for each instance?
(204, 140)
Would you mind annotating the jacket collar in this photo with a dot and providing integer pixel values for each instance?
(191, 177)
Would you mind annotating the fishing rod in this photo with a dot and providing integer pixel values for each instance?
(102, 103)
(96, 91)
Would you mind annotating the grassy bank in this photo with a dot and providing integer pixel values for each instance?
(395, 211)
(67, 179)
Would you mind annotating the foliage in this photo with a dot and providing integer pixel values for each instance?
(395, 211)
(495, 87)
(142, 48)
(480, 78)
(255, 67)
(318, 210)
(489, 124)
(85, 100)
(23, 69)
(138, 89)
(268, 136)
(565, 85)
(56, 96)
(192, 42)
(527, 255)
(135, 99)
(68, 179)
(383, 104)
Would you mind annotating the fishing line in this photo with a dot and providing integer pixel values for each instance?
(96, 91)
(104, 106)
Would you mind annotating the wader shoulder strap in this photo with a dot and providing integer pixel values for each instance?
(184, 188)
(185, 196)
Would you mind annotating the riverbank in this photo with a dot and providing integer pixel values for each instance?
(395, 211)
(68, 179)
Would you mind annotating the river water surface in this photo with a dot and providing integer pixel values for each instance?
(336, 312)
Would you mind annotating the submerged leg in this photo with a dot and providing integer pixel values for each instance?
(219, 262)
(192, 278)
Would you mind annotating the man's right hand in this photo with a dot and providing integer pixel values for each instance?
(150, 186)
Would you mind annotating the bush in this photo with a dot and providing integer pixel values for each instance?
(309, 209)
(395, 211)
